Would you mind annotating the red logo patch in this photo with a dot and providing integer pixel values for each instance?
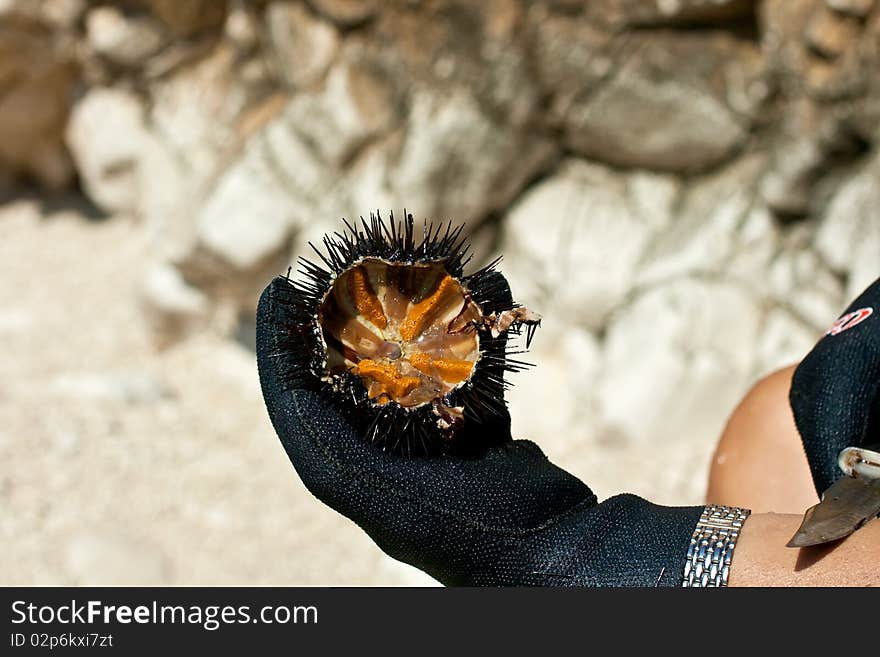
(849, 320)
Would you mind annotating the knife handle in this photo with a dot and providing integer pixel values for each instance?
(860, 462)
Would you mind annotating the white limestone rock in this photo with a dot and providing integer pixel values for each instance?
(549, 402)
(800, 281)
(173, 308)
(456, 162)
(200, 119)
(849, 233)
(676, 361)
(703, 236)
(574, 241)
(123, 39)
(301, 44)
(246, 218)
(783, 341)
(346, 13)
(757, 243)
(355, 105)
(106, 135)
(676, 103)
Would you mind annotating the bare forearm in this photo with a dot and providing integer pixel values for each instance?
(763, 560)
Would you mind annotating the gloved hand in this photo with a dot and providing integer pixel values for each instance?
(505, 516)
(834, 391)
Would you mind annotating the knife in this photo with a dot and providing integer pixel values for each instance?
(848, 503)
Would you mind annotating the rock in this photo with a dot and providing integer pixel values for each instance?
(57, 14)
(815, 146)
(51, 13)
(105, 136)
(571, 55)
(676, 360)
(650, 13)
(848, 238)
(701, 239)
(313, 190)
(188, 18)
(829, 33)
(122, 39)
(572, 244)
(200, 116)
(783, 340)
(36, 84)
(197, 110)
(346, 12)
(667, 106)
(501, 74)
(858, 8)
(799, 281)
(864, 269)
(356, 104)
(62, 13)
(248, 216)
(367, 181)
(302, 45)
(473, 49)
(166, 189)
(843, 226)
(245, 219)
(457, 162)
(565, 356)
(782, 23)
(756, 244)
(172, 306)
(810, 48)
(837, 80)
(789, 185)
(241, 27)
(652, 198)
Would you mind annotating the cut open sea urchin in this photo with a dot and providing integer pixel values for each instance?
(392, 331)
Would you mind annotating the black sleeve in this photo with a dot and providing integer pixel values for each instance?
(834, 391)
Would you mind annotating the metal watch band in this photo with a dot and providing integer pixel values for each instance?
(712, 543)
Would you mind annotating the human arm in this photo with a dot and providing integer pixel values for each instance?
(508, 516)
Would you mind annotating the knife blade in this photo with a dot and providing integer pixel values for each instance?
(847, 504)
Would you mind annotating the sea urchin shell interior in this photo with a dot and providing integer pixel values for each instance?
(407, 330)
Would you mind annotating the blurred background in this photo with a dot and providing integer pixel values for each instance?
(687, 190)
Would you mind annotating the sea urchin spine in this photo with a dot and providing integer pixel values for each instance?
(411, 349)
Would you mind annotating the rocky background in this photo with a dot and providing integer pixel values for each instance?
(687, 190)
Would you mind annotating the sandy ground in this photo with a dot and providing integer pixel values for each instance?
(124, 465)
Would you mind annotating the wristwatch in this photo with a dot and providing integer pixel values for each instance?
(710, 552)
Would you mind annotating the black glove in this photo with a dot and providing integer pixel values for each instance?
(834, 391)
(506, 516)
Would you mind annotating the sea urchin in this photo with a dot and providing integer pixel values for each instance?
(398, 337)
